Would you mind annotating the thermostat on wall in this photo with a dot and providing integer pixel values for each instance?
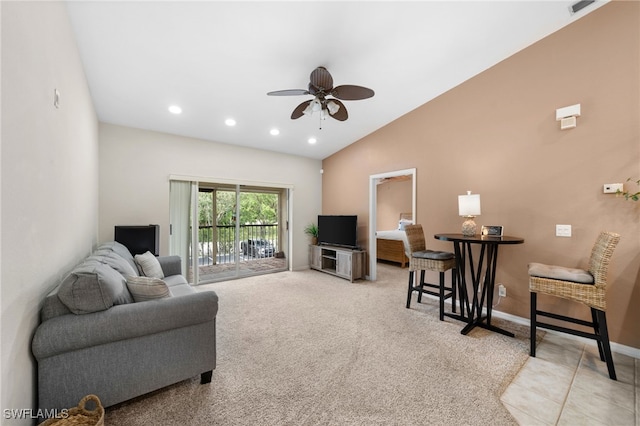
(612, 188)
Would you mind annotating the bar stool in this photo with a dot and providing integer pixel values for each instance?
(584, 286)
(423, 260)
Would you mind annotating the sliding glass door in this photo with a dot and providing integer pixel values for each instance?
(234, 230)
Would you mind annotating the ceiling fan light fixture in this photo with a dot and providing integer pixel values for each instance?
(308, 110)
(332, 107)
(314, 106)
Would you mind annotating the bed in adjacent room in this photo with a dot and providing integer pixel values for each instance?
(392, 245)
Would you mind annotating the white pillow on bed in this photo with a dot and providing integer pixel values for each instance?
(404, 222)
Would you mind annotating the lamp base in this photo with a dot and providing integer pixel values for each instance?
(469, 227)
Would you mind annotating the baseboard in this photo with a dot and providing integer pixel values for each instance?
(615, 347)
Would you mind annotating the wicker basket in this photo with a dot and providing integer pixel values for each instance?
(80, 416)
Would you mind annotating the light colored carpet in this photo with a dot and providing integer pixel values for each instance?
(307, 348)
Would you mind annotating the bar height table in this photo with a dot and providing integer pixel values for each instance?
(485, 268)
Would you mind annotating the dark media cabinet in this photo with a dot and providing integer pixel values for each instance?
(342, 262)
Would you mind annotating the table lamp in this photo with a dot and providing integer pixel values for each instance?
(469, 208)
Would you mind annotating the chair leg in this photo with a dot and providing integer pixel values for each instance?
(421, 286)
(596, 331)
(606, 347)
(453, 291)
(532, 343)
(410, 290)
(441, 296)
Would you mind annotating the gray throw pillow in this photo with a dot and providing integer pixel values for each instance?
(115, 261)
(93, 286)
(120, 250)
(147, 288)
(149, 265)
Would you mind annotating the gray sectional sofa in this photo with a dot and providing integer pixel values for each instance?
(94, 338)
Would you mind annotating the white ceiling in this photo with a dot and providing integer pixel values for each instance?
(218, 59)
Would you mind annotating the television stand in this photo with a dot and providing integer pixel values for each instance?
(339, 261)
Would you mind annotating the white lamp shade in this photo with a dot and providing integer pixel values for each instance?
(469, 205)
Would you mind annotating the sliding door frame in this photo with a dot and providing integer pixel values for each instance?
(286, 190)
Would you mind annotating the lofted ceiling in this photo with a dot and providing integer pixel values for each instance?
(218, 59)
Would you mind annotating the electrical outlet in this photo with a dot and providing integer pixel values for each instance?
(502, 290)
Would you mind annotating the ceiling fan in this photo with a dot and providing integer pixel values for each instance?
(321, 86)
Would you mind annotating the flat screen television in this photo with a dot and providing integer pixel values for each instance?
(139, 239)
(338, 230)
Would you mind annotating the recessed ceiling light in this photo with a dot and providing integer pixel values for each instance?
(312, 141)
(230, 122)
(274, 132)
(175, 109)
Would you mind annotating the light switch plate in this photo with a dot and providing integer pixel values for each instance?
(563, 230)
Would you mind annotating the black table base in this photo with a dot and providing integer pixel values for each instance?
(479, 305)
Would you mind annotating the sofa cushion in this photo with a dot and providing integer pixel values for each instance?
(114, 260)
(120, 250)
(175, 280)
(147, 288)
(149, 265)
(93, 286)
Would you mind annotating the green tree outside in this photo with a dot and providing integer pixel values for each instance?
(256, 208)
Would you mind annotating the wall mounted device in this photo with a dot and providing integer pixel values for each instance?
(576, 7)
(567, 116)
(612, 188)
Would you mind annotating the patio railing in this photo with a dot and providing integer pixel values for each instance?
(225, 244)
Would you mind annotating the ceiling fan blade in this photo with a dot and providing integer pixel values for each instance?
(289, 92)
(321, 79)
(341, 114)
(349, 92)
(299, 111)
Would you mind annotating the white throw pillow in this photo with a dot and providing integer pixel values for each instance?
(149, 265)
(147, 288)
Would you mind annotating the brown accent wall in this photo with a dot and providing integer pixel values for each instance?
(496, 135)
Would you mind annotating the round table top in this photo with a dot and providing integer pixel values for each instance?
(481, 239)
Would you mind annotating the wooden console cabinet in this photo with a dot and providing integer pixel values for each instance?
(342, 262)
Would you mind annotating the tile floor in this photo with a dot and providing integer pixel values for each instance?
(567, 384)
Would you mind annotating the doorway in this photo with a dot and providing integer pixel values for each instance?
(374, 180)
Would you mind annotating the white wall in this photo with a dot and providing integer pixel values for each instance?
(135, 166)
(49, 179)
